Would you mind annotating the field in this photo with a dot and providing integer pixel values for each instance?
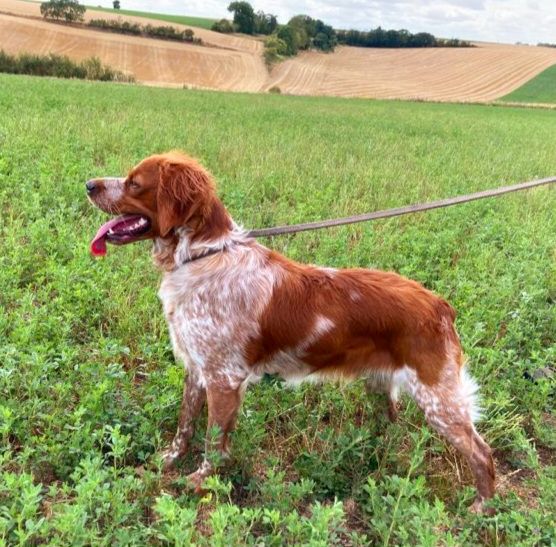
(28, 10)
(234, 62)
(438, 74)
(201, 22)
(541, 89)
(90, 390)
(149, 60)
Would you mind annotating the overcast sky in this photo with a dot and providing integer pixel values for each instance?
(528, 21)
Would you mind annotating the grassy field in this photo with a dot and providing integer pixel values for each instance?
(202, 22)
(541, 89)
(89, 390)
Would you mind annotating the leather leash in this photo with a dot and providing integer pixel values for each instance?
(398, 211)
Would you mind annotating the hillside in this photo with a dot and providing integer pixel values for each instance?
(201, 22)
(482, 73)
(234, 62)
(241, 43)
(157, 62)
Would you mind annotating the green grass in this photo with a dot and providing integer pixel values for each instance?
(540, 89)
(89, 388)
(202, 22)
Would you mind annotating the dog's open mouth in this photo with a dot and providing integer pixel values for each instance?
(119, 231)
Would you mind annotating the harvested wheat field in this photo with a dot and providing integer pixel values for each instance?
(235, 63)
(241, 43)
(482, 73)
(159, 62)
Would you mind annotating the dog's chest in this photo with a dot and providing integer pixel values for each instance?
(212, 317)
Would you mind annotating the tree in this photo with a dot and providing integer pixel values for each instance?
(69, 10)
(309, 32)
(265, 23)
(325, 37)
(423, 39)
(244, 16)
(116, 4)
(303, 29)
(287, 35)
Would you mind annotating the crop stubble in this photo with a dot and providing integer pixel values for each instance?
(234, 63)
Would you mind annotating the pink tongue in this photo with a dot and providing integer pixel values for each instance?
(98, 244)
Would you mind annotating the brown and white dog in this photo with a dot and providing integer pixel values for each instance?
(237, 310)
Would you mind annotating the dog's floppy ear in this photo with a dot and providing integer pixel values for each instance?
(184, 190)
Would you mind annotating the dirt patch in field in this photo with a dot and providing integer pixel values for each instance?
(234, 63)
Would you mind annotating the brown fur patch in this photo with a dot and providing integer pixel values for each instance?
(379, 320)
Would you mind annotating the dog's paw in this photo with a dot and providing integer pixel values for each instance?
(174, 452)
(169, 457)
(478, 507)
(393, 410)
(195, 480)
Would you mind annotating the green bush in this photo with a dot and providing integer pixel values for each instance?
(124, 27)
(164, 32)
(224, 26)
(274, 49)
(60, 66)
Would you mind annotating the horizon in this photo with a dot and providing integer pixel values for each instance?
(475, 20)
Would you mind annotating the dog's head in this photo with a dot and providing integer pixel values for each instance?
(161, 193)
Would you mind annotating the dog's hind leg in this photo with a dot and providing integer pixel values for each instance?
(449, 407)
(194, 397)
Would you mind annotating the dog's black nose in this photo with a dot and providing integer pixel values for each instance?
(91, 186)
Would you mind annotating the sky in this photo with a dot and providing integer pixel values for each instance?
(509, 21)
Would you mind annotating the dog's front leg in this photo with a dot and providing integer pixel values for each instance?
(224, 401)
(194, 396)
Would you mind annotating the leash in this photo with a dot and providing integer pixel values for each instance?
(398, 211)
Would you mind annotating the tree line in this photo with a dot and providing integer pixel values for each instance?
(164, 32)
(380, 37)
(303, 32)
(299, 33)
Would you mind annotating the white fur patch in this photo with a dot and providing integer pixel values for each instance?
(322, 326)
(453, 398)
(212, 306)
(113, 189)
(468, 392)
(398, 383)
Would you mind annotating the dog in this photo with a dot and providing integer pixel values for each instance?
(237, 310)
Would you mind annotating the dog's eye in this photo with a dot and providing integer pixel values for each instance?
(134, 185)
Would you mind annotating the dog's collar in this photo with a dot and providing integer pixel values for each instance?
(211, 252)
(198, 257)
